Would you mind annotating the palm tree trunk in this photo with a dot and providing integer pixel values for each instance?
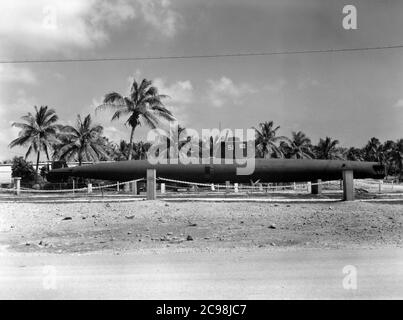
(129, 156)
(37, 162)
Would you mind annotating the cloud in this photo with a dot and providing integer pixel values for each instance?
(8, 109)
(180, 92)
(308, 83)
(114, 134)
(399, 104)
(13, 74)
(58, 25)
(224, 91)
(159, 14)
(181, 95)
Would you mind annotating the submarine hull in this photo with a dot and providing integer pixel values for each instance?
(266, 170)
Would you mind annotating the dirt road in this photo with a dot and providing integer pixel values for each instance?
(256, 274)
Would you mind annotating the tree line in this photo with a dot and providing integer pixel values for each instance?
(41, 133)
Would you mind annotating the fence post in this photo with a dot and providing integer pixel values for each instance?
(212, 187)
(260, 187)
(90, 188)
(151, 184)
(162, 188)
(309, 186)
(126, 187)
(134, 187)
(236, 187)
(380, 186)
(17, 185)
(117, 186)
(227, 186)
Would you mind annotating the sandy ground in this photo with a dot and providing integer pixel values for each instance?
(159, 225)
(200, 250)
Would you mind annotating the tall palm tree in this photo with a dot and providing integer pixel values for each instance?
(300, 146)
(327, 149)
(143, 105)
(266, 140)
(85, 142)
(38, 133)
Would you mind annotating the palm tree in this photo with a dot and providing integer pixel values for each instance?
(355, 154)
(85, 142)
(398, 156)
(373, 150)
(143, 105)
(140, 150)
(266, 140)
(327, 149)
(300, 146)
(38, 133)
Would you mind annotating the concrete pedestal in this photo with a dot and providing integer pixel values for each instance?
(316, 186)
(151, 184)
(348, 185)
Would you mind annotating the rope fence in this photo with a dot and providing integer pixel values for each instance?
(88, 189)
(376, 186)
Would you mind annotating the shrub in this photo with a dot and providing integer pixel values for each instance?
(22, 168)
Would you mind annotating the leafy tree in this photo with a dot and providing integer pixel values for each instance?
(84, 142)
(143, 105)
(38, 133)
(23, 169)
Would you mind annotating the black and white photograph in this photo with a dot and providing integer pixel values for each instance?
(207, 150)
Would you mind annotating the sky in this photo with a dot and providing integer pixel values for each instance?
(349, 96)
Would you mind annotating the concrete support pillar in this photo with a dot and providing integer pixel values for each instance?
(134, 187)
(151, 184)
(162, 188)
(348, 185)
(126, 187)
(236, 187)
(316, 186)
(17, 185)
(260, 187)
(89, 188)
(309, 187)
(212, 187)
